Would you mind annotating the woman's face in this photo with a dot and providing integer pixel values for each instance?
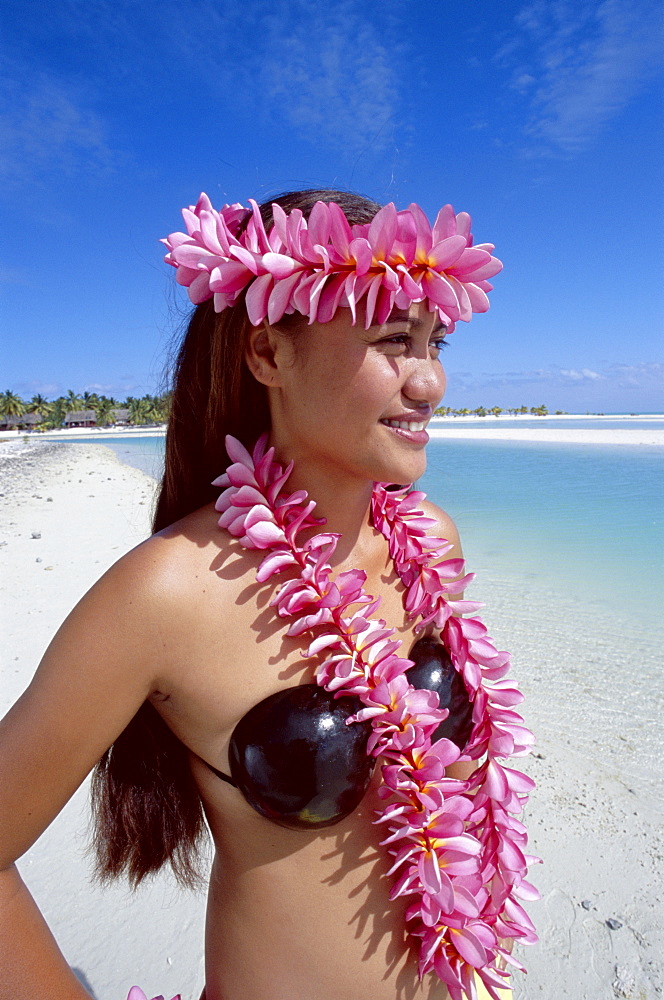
(356, 402)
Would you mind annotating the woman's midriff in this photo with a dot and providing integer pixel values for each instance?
(299, 916)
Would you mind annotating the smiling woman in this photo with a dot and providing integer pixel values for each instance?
(310, 367)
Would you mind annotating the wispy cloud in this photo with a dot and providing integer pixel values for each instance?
(325, 71)
(649, 375)
(644, 375)
(45, 127)
(579, 63)
(125, 385)
(329, 73)
(13, 276)
(580, 376)
(613, 387)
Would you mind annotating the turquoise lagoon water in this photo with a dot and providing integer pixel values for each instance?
(569, 423)
(586, 521)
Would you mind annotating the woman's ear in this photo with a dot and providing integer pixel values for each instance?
(261, 355)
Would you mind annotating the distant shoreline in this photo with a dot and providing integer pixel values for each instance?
(436, 424)
(491, 418)
(89, 433)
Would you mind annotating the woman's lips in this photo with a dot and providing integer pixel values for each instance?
(411, 430)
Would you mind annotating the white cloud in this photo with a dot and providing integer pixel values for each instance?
(322, 70)
(45, 126)
(13, 276)
(577, 376)
(326, 72)
(614, 388)
(330, 73)
(580, 64)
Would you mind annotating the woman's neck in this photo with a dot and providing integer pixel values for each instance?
(344, 502)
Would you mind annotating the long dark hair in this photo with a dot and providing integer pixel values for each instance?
(146, 809)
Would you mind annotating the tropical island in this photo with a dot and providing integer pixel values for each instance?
(86, 409)
(496, 411)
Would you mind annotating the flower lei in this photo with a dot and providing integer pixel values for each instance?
(315, 265)
(457, 844)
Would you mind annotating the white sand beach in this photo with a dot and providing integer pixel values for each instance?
(551, 435)
(555, 429)
(594, 695)
(86, 510)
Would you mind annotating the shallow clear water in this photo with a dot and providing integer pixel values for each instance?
(586, 522)
(144, 453)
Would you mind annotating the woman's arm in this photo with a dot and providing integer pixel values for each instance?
(93, 678)
(31, 964)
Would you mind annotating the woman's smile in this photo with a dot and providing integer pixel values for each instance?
(408, 428)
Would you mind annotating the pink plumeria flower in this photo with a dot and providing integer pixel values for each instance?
(136, 993)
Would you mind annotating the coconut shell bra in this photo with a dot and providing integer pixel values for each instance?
(303, 757)
(297, 763)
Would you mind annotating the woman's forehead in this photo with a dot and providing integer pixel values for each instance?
(416, 316)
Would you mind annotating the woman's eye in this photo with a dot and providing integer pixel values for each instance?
(405, 340)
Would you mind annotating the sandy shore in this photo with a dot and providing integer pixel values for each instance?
(490, 428)
(594, 698)
(87, 510)
(88, 433)
(633, 436)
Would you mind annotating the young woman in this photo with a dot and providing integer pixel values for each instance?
(293, 680)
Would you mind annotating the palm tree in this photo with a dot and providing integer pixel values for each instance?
(73, 401)
(103, 415)
(138, 409)
(59, 409)
(496, 410)
(166, 402)
(39, 404)
(11, 404)
(89, 400)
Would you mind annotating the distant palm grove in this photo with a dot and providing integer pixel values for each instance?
(495, 411)
(85, 410)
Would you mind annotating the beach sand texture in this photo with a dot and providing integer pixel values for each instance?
(630, 436)
(594, 698)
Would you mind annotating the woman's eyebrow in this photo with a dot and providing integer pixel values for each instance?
(414, 322)
(402, 317)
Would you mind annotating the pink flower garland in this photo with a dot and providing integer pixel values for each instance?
(456, 845)
(136, 993)
(313, 266)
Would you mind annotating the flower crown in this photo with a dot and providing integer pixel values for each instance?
(313, 266)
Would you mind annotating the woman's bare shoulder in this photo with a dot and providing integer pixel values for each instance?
(175, 563)
(444, 526)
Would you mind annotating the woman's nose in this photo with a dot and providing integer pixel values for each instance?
(426, 382)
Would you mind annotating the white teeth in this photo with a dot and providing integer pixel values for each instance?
(405, 425)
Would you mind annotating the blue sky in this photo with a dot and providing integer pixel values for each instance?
(540, 118)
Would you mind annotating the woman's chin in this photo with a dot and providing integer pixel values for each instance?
(403, 471)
